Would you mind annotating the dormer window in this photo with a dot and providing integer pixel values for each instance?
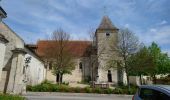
(107, 34)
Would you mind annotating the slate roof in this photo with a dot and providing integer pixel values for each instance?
(106, 23)
(76, 48)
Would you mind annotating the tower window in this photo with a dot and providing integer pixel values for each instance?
(107, 34)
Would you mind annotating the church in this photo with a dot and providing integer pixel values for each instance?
(90, 56)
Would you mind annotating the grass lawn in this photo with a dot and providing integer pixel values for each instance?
(11, 97)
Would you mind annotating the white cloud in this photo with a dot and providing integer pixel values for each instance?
(163, 22)
(153, 30)
(127, 25)
(160, 35)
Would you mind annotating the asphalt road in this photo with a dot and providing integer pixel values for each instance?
(77, 97)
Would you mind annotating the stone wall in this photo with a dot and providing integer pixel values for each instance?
(14, 42)
(2, 53)
(106, 48)
(77, 75)
(36, 70)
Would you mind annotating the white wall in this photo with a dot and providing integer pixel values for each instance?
(36, 70)
(2, 55)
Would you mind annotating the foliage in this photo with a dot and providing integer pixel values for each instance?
(11, 97)
(140, 63)
(124, 90)
(149, 61)
(49, 87)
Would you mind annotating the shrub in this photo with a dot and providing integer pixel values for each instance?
(118, 91)
(97, 90)
(88, 90)
(78, 90)
(47, 86)
(124, 90)
(108, 91)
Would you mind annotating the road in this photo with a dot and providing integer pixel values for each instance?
(77, 97)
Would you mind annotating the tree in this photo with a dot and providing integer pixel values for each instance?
(59, 55)
(140, 63)
(149, 61)
(161, 61)
(127, 45)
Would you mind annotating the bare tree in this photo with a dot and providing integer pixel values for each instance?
(59, 54)
(127, 44)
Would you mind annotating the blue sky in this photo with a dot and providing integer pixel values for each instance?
(37, 19)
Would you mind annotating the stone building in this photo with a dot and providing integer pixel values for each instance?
(90, 56)
(81, 57)
(13, 66)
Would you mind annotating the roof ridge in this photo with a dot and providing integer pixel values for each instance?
(106, 23)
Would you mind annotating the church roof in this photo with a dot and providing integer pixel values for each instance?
(106, 23)
(77, 48)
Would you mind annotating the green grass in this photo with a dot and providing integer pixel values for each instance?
(11, 97)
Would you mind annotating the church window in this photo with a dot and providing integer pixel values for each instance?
(80, 65)
(50, 66)
(107, 34)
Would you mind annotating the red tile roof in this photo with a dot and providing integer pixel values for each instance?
(76, 48)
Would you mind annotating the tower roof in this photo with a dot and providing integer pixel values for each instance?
(106, 23)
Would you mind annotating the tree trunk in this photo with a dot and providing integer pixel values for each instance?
(57, 78)
(127, 77)
(154, 79)
(61, 78)
(128, 83)
(140, 79)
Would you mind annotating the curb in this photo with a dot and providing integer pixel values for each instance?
(71, 94)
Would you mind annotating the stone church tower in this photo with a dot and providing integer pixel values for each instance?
(106, 41)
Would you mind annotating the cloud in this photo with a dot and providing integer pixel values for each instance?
(163, 22)
(153, 30)
(159, 34)
(37, 19)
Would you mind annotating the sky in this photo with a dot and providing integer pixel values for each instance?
(37, 19)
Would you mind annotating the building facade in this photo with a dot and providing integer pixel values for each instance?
(91, 57)
(13, 66)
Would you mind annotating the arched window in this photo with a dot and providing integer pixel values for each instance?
(50, 66)
(80, 65)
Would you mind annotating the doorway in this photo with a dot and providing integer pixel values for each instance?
(109, 76)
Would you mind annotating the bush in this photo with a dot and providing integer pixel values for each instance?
(88, 90)
(124, 90)
(47, 86)
(118, 91)
(98, 90)
(11, 97)
(108, 91)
